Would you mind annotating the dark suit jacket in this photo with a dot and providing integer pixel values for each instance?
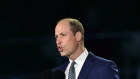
(95, 67)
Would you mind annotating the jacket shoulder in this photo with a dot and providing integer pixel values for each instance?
(100, 60)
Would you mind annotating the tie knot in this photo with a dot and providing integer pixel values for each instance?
(72, 64)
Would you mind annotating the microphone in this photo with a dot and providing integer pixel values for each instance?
(58, 75)
(46, 74)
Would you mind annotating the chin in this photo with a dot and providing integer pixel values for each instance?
(62, 54)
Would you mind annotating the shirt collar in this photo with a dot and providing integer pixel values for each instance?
(80, 60)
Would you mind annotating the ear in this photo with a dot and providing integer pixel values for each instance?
(78, 36)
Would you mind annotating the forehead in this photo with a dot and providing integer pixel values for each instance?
(62, 26)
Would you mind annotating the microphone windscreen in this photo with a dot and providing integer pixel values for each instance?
(58, 75)
(46, 74)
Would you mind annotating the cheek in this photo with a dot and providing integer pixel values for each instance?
(69, 41)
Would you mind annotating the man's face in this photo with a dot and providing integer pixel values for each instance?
(65, 40)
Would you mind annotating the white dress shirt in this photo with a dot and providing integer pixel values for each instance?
(79, 63)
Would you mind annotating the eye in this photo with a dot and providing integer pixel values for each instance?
(63, 34)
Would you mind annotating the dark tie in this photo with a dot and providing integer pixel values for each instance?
(71, 74)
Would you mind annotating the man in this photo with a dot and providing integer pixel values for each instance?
(69, 34)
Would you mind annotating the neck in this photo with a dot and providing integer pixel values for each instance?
(77, 53)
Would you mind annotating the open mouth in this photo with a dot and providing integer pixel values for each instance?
(60, 48)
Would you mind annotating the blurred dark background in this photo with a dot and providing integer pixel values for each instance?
(27, 43)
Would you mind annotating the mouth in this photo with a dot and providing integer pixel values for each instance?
(60, 48)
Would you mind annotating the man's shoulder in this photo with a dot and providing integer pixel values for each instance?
(104, 60)
(100, 60)
(102, 65)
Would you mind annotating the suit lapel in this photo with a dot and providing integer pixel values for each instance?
(86, 67)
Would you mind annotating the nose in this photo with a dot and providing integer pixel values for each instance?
(58, 41)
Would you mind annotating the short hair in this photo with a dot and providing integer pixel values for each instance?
(76, 26)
